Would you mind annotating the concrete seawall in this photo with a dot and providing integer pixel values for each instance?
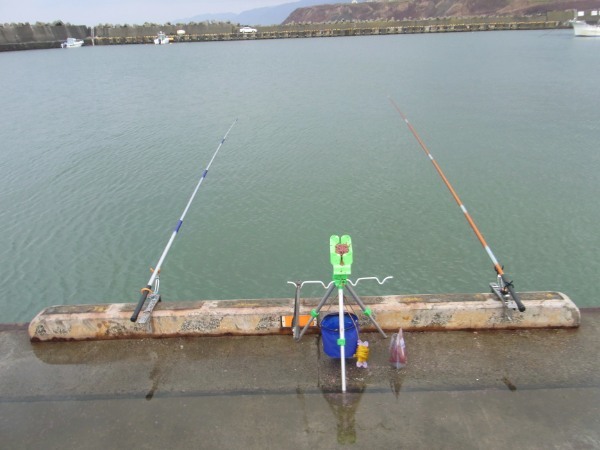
(44, 36)
(31, 37)
(335, 31)
(264, 316)
(39, 36)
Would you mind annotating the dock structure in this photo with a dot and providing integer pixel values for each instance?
(42, 36)
(294, 33)
(535, 388)
(264, 316)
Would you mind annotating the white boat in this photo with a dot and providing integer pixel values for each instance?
(582, 28)
(72, 43)
(161, 39)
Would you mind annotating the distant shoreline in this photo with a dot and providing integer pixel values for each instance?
(14, 37)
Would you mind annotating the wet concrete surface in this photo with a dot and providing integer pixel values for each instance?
(460, 389)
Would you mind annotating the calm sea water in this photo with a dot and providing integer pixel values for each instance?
(101, 148)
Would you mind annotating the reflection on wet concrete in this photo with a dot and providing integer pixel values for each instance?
(344, 406)
(459, 390)
(155, 376)
(396, 379)
(509, 384)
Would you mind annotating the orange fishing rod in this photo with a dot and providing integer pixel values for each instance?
(504, 286)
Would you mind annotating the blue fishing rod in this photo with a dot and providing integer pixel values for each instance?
(155, 272)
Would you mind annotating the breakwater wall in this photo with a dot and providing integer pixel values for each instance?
(284, 33)
(38, 36)
(26, 37)
(42, 36)
(151, 30)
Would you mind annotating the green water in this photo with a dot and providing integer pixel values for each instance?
(101, 149)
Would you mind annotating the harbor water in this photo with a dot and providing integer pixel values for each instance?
(101, 148)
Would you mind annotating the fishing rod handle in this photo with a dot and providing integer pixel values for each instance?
(513, 294)
(141, 301)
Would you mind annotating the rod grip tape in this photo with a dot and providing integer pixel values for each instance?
(141, 301)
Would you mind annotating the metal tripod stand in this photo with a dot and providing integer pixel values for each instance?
(341, 258)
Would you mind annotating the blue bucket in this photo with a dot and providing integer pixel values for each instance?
(330, 332)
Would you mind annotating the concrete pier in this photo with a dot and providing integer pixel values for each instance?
(497, 389)
(264, 316)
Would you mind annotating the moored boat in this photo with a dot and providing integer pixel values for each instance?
(161, 39)
(72, 43)
(583, 23)
(582, 28)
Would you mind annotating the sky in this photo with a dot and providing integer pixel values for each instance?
(94, 12)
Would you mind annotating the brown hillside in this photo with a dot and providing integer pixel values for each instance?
(421, 9)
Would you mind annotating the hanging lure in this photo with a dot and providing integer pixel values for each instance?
(362, 353)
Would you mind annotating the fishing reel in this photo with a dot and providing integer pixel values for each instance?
(152, 299)
(502, 291)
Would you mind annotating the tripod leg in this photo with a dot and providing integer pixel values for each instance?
(365, 310)
(315, 312)
(342, 340)
(296, 318)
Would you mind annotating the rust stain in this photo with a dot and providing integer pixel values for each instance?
(412, 299)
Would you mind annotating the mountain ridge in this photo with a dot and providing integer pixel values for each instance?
(422, 9)
(268, 15)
